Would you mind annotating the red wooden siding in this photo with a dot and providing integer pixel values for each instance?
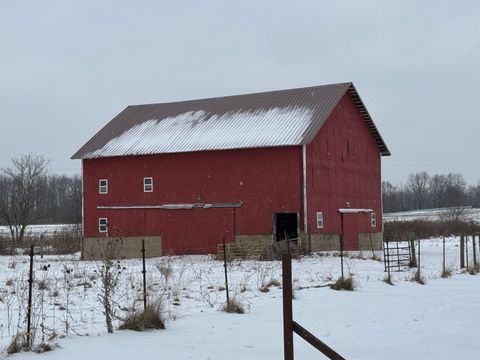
(264, 180)
(343, 169)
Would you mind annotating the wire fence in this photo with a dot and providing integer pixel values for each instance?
(66, 291)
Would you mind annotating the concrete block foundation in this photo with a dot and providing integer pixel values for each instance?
(120, 248)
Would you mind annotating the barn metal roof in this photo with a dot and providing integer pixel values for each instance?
(268, 119)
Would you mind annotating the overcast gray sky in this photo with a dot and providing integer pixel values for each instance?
(68, 67)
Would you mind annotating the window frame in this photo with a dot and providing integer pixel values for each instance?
(101, 225)
(145, 184)
(320, 220)
(373, 220)
(100, 186)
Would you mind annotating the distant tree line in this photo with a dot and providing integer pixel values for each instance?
(29, 194)
(425, 191)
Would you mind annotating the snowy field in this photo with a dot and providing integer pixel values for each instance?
(468, 214)
(438, 320)
(37, 230)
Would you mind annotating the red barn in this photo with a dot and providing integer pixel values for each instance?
(251, 169)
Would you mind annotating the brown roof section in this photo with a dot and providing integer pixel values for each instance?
(291, 117)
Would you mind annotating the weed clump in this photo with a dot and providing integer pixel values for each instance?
(343, 283)
(149, 318)
(42, 285)
(418, 278)
(233, 306)
(267, 286)
(447, 273)
(19, 343)
(388, 280)
(474, 270)
(44, 347)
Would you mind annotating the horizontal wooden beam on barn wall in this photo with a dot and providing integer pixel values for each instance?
(354, 211)
(180, 206)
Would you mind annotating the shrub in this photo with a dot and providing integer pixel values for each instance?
(344, 284)
(233, 306)
(424, 229)
(149, 318)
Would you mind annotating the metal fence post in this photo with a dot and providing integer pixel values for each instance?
(225, 270)
(144, 272)
(29, 308)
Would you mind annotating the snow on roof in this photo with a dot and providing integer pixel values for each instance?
(275, 118)
(196, 131)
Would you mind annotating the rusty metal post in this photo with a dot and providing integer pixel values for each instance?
(29, 308)
(144, 273)
(287, 306)
(226, 270)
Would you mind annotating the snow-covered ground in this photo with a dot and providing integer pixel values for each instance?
(438, 320)
(468, 214)
(37, 230)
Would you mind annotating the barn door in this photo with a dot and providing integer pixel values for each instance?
(285, 225)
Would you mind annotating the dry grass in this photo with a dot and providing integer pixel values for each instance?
(44, 347)
(19, 343)
(418, 278)
(474, 270)
(42, 285)
(344, 284)
(273, 282)
(234, 306)
(447, 273)
(147, 319)
(388, 280)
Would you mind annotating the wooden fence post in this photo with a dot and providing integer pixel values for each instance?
(462, 251)
(287, 306)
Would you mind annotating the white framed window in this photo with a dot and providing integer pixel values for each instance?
(103, 186)
(373, 219)
(319, 220)
(147, 184)
(102, 225)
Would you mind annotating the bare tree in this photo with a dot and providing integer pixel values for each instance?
(22, 188)
(455, 190)
(417, 183)
(438, 188)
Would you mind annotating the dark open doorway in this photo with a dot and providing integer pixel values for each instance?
(285, 226)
